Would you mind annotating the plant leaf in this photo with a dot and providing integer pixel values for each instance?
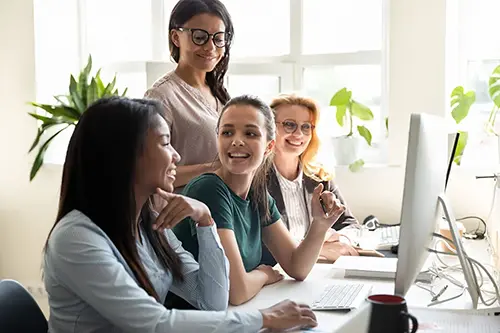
(125, 92)
(69, 113)
(361, 111)
(356, 165)
(387, 125)
(341, 97)
(494, 86)
(83, 80)
(75, 96)
(41, 153)
(37, 139)
(461, 103)
(340, 115)
(462, 142)
(365, 133)
(92, 92)
(100, 84)
(109, 88)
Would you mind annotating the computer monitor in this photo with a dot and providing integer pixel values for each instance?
(452, 150)
(427, 168)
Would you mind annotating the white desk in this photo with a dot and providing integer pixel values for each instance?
(322, 274)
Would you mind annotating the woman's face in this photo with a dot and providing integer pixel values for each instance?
(294, 129)
(157, 163)
(242, 139)
(197, 46)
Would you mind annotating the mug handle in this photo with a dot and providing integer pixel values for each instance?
(414, 321)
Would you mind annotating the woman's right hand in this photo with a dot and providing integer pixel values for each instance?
(273, 275)
(288, 314)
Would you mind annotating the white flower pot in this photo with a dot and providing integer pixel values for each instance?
(346, 149)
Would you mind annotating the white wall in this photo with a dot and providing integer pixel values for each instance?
(27, 210)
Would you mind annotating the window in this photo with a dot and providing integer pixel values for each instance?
(340, 26)
(477, 45)
(314, 46)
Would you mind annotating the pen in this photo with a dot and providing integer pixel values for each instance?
(323, 205)
(435, 298)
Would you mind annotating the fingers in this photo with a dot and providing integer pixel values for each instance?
(307, 317)
(165, 195)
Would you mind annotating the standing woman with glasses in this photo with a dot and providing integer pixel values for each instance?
(295, 174)
(200, 33)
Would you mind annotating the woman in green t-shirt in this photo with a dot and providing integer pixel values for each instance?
(243, 210)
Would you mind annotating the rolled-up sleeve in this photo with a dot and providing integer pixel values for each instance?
(205, 285)
(84, 262)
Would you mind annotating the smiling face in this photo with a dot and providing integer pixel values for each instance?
(157, 164)
(288, 142)
(201, 57)
(242, 139)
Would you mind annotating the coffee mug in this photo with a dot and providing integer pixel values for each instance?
(389, 314)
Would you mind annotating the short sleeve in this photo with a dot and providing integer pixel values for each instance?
(212, 191)
(273, 211)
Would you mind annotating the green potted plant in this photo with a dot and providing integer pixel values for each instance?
(349, 112)
(58, 117)
(461, 102)
(494, 93)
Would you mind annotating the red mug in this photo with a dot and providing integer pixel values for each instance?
(389, 314)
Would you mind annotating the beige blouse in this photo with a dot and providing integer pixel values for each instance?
(191, 119)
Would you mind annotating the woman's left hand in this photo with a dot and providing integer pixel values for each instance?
(326, 208)
(179, 207)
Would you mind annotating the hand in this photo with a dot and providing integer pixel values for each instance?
(332, 236)
(273, 275)
(178, 207)
(334, 209)
(331, 251)
(288, 314)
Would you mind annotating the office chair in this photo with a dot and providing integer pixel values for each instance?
(19, 311)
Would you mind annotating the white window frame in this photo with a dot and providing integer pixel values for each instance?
(408, 34)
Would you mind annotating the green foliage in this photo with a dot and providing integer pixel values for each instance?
(461, 103)
(348, 109)
(68, 110)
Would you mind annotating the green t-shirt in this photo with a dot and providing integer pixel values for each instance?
(229, 211)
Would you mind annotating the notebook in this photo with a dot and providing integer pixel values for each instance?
(373, 267)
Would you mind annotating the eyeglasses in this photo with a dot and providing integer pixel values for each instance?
(201, 37)
(291, 126)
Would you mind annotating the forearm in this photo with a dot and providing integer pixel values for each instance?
(184, 173)
(305, 255)
(249, 286)
(213, 275)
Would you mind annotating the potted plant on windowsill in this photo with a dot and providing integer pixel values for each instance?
(66, 113)
(461, 103)
(349, 111)
(494, 93)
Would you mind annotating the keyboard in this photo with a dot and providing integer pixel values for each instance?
(387, 237)
(342, 297)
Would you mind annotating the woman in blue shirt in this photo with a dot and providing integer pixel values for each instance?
(109, 260)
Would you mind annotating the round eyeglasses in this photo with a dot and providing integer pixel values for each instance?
(291, 126)
(201, 37)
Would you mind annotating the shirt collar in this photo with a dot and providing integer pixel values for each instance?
(297, 180)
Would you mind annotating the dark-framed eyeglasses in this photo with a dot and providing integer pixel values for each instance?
(290, 126)
(200, 37)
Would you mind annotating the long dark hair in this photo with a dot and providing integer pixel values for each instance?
(259, 193)
(99, 175)
(183, 11)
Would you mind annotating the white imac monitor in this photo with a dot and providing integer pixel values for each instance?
(426, 167)
(427, 163)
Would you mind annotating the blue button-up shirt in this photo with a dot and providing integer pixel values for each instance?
(92, 289)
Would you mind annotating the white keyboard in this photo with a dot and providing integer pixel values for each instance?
(342, 297)
(387, 237)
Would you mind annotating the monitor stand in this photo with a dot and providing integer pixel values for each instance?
(462, 255)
